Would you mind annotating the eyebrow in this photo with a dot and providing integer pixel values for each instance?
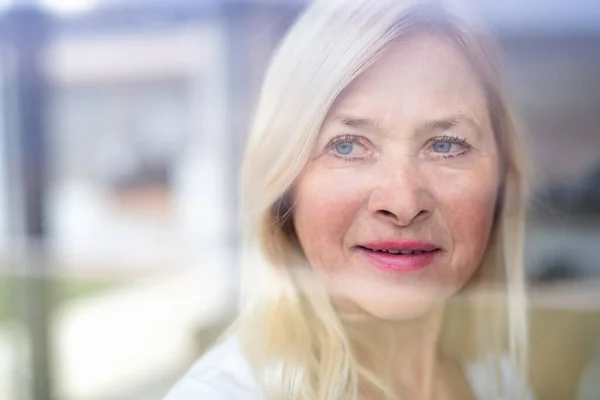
(357, 123)
(448, 123)
(427, 126)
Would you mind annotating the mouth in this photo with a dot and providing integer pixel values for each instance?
(400, 256)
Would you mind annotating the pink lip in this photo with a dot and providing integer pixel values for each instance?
(399, 262)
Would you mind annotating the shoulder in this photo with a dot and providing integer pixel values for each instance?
(485, 383)
(223, 373)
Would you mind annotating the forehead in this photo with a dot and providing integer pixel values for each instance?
(420, 77)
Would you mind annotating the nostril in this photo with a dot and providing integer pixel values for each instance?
(419, 216)
(422, 213)
(387, 213)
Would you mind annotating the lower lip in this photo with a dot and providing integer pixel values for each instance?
(399, 262)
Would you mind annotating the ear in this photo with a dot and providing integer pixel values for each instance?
(283, 208)
(500, 198)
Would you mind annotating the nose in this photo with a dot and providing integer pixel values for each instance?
(401, 196)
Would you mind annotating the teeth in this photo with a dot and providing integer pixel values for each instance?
(401, 251)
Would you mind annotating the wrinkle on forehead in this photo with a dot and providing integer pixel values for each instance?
(421, 77)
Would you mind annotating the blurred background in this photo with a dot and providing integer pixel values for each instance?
(122, 124)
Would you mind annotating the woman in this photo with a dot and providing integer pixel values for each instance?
(382, 197)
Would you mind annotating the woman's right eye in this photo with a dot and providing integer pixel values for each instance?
(347, 147)
(344, 148)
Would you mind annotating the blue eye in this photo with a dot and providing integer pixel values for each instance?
(442, 147)
(348, 147)
(344, 148)
(450, 146)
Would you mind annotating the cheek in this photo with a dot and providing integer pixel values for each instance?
(467, 207)
(326, 204)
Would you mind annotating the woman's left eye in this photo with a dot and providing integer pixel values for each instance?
(450, 146)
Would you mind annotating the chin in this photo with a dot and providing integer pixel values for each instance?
(389, 301)
(400, 311)
(397, 307)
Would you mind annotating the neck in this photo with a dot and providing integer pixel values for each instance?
(416, 357)
(411, 348)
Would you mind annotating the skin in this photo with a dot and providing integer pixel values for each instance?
(386, 179)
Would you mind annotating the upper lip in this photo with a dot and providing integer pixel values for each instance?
(402, 245)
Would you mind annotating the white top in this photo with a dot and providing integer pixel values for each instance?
(223, 373)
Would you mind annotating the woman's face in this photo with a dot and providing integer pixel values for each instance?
(395, 207)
